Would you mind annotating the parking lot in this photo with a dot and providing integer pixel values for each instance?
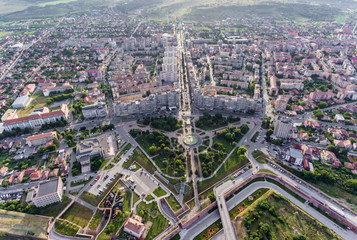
(103, 179)
(11, 196)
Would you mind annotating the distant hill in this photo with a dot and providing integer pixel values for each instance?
(196, 10)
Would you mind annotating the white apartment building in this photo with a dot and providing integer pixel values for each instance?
(48, 192)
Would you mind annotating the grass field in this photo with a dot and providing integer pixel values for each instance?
(152, 214)
(141, 159)
(159, 192)
(96, 220)
(21, 224)
(231, 165)
(280, 216)
(174, 204)
(55, 209)
(246, 203)
(66, 228)
(78, 214)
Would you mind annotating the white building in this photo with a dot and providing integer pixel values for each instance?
(21, 102)
(95, 110)
(37, 120)
(48, 192)
(169, 65)
(295, 156)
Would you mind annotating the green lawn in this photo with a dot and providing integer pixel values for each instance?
(90, 198)
(109, 166)
(202, 148)
(96, 220)
(267, 171)
(174, 204)
(231, 165)
(73, 184)
(145, 142)
(104, 163)
(258, 153)
(159, 192)
(78, 214)
(66, 228)
(141, 159)
(54, 209)
(21, 223)
(149, 197)
(228, 146)
(285, 216)
(136, 198)
(261, 160)
(233, 213)
(150, 212)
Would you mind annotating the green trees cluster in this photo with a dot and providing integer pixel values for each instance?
(168, 123)
(61, 123)
(17, 206)
(15, 132)
(207, 122)
(233, 134)
(210, 161)
(96, 162)
(77, 108)
(59, 98)
(76, 168)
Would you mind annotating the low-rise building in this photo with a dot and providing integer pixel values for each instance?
(98, 110)
(134, 227)
(37, 120)
(21, 102)
(40, 139)
(48, 192)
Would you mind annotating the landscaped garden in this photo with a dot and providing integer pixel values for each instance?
(208, 122)
(150, 212)
(210, 231)
(275, 217)
(159, 192)
(174, 204)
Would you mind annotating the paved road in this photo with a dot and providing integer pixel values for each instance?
(211, 218)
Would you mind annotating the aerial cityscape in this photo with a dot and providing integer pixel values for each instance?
(177, 119)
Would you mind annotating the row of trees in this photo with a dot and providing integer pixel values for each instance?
(168, 123)
(59, 98)
(206, 121)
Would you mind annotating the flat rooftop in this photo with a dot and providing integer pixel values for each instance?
(47, 187)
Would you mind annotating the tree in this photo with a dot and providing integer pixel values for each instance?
(322, 104)
(244, 128)
(241, 150)
(153, 150)
(110, 229)
(212, 197)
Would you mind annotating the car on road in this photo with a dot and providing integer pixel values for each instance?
(97, 177)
